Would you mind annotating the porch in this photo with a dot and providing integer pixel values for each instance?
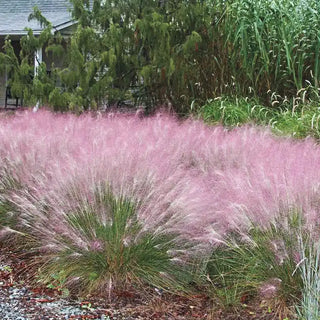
(12, 100)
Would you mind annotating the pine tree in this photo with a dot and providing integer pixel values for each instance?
(146, 51)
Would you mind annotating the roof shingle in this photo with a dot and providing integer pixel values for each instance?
(14, 14)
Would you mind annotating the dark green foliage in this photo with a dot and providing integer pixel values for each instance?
(144, 51)
(173, 52)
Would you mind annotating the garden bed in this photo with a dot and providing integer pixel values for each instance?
(101, 205)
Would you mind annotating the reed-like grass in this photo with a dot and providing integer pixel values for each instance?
(275, 44)
(252, 48)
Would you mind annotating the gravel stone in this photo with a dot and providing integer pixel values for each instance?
(20, 304)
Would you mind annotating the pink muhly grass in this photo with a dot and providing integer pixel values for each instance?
(188, 178)
(270, 288)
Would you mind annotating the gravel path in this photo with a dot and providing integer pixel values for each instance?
(19, 302)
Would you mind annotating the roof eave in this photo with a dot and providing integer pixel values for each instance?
(37, 32)
(18, 32)
(64, 25)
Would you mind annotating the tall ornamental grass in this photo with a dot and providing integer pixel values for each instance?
(275, 44)
(116, 201)
(261, 262)
(106, 247)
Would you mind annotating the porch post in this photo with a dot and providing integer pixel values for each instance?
(37, 62)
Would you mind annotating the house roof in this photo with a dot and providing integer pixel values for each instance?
(14, 15)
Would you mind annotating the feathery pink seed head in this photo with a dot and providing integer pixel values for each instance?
(188, 178)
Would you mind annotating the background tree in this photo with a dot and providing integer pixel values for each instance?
(174, 52)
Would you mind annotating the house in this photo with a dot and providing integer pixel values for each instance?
(14, 19)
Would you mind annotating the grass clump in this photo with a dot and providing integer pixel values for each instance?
(261, 263)
(296, 120)
(8, 210)
(111, 250)
(235, 111)
(299, 123)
